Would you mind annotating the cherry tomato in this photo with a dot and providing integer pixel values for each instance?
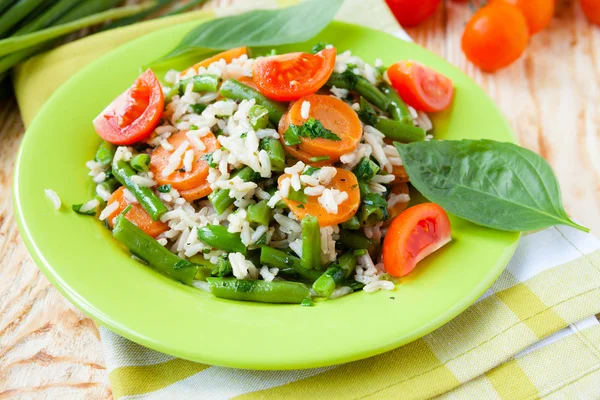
(412, 12)
(421, 87)
(288, 77)
(496, 35)
(413, 235)
(538, 13)
(591, 9)
(132, 116)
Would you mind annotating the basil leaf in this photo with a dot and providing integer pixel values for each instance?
(494, 184)
(260, 28)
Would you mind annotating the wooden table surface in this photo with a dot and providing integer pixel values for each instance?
(551, 96)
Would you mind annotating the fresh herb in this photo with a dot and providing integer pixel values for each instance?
(164, 188)
(319, 159)
(258, 28)
(313, 129)
(243, 135)
(365, 170)
(209, 159)
(351, 66)
(310, 170)
(346, 80)
(367, 113)
(300, 206)
(223, 268)
(319, 46)
(373, 210)
(290, 137)
(77, 209)
(494, 184)
(193, 128)
(198, 108)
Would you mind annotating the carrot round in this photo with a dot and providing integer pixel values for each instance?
(197, 192)
(136, 214)
(334, 115)
(227, 55)
(344, 181)
(177, 179)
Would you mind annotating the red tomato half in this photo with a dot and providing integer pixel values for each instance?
(421, 87)
(132, 116)
(288, 77)
(413, 235)
(412, 12)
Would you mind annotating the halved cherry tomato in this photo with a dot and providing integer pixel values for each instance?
(227, 55)
(421, 87)
(197, 192)
(591, 9)
(395, 209)
(136, 214)
(132, 116)
(537, 13)
(344, 181)
(413, 235)
(495, 36)
(412, 12)
(334, 115)
(159, 159)
(288, 77)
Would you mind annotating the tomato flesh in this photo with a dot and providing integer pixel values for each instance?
(421, 87)
(132, 116)
(288, 77)
(413, 235)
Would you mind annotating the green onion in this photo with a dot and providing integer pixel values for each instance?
(16, 14)
(319, 159)
(140, 162)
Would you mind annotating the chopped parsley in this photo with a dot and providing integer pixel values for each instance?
(318, 47)
(318, 159)
(243, 135)
(312, 129)
(164, 188)
(310, 170)
(209, 159)
(193, 127)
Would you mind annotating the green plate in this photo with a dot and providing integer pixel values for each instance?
(79, 256)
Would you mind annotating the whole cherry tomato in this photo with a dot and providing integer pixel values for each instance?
(538, 13)
(412, 12)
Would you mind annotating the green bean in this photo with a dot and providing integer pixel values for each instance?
(220, 198)
(110, 184)
(399, 131)
(145, 247)
(350, 81)
(367, 113)
(397, 108)
(205, 267)
(47, 17)
(105, 153)
(218, 237)
(16, 13)
(288, 265)
(365, 170)
(335, 274)
(352, 224)
(373, 210)
(311, 243)
(258, 116)
(200, 83)
(298, 195)
(354, 240)
(148, 200)
(259, 213)
(235, 90)
(276, 153)
(260, 291)
(140, 162)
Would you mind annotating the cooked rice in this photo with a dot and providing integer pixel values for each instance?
(53, 196)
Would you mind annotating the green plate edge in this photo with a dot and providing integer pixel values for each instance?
(312, 342)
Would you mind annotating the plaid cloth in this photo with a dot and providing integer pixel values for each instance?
(533, 334)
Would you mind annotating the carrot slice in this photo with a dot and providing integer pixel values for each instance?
(197, 192)
(177, 179)
(334, 115)
(136, 214)
(227, 55)
(344, 181)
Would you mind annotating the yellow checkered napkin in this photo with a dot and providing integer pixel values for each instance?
(531, 335)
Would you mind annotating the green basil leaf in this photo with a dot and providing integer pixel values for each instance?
(260, 28)
(494, 184)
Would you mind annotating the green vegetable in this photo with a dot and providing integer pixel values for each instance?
(290, 137)
(218, 237)
(77, 209)
(494, 184)
(288, 265)
(164, 188)
(140, 162)
(16, 43)
(373, 210)
(148, 249)
(354, 240)
(319, 159)
(259, 213)
(259, 28)
(311, 243)
(209, 160)
(220, 198)
(307, 303)
(367, 113)
(397, 108)
(350, 81)
(366, 169)
(105, 153)
(399, 131)
(258, 116)
(318, 47)
(201, 83)
(185, 7)
(312, 129)
(261, 291)
(352, 224)
(276, 153)
(198, 108)
(15, 14)
(235, 90)
(298, 195)
(110, 184)
(223, 268)
(310, 170)
(148, 200)
(158, 5)
(335, 274)
(47, 17)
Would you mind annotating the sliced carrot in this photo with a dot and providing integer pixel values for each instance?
(177, 179)
(136, 214)
(334, 115)
(395, 209)
(197, 192)
(344, 181)
(227, 55)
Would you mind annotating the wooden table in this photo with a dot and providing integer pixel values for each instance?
(551, 97)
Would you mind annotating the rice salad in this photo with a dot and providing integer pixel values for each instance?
(255, 187)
